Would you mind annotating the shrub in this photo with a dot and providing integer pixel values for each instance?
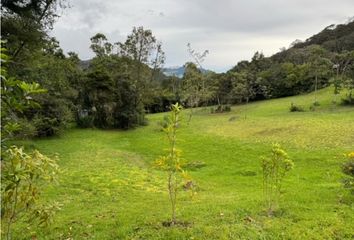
(296, 108)
(348, 170)
(348, 101)
(46, 126)
(52, 117)
(23, 176)
(274, 169)
(316, 104)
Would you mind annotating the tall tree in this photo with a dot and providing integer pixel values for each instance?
(25, 23)
(320, 66)
(192, 86)
(198, 59)
(142, 47)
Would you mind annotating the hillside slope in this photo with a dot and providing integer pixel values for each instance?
(109, 188)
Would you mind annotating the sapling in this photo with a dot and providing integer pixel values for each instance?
(275, 169)
(172, 162)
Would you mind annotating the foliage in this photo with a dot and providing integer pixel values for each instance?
(172, 162)
(22, 179)
(192, 85)
(142, 47)
(274, 168)
(25, 24)
(296, 108)
(108, 96)
(118, 88)
(348, 169)
(16, 98)
(22, 175)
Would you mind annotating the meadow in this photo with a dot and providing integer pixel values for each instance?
(109, 188)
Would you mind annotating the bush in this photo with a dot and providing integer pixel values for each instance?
(316, 104)
(275, 167)
(51, 117)
(19, 129)
(22, 180)
(296, 108)
(129, 118)
(348, 101)
(46, 126)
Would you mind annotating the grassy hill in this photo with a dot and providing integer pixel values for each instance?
(109, 188)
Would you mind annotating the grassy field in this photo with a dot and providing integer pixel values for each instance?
(109, 188)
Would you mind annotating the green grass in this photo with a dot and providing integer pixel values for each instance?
(109, 188)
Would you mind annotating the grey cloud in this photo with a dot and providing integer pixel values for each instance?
(231, 29)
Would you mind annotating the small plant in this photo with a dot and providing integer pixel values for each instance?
(348, 169)
(316, 104)
(296, 108)
(274, 169)
(23, 176)
(172, 162)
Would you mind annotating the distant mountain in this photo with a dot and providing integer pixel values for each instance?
(177, 71)
(174, 71)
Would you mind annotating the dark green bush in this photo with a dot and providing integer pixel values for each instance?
(348, 101)
(316, 104)
(296, 108)
(46, 126)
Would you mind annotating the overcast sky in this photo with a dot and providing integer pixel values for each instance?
(232, 30)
